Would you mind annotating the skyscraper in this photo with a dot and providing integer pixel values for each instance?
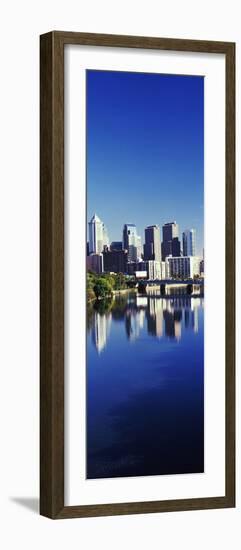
(189, 242)
(152, 246)
(131, 241)
(170, 240)
(98, 237)
(115, 260)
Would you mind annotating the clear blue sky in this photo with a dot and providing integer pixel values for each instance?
(145, 150)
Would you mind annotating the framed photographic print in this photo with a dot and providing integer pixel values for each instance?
(137, 275)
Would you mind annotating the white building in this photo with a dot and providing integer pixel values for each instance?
(183, 267)
(98, 237)
(138, 248)
(154, 270)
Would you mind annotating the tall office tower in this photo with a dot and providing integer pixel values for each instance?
(176, 247)
(152, 246)
(130, 241)
(170, 241)
(115, 261)
(139, 248)
(105, 237)
(189, 242)
(94, 262)
(116, 245)
(98, 237)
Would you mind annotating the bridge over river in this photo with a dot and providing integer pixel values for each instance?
(169, 287)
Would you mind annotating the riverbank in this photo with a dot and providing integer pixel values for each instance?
(124, 291)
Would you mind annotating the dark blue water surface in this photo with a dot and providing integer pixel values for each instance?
(145, 386)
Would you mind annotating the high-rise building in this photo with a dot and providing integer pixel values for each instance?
(189, 242)
(94, 262)
(115, 261)
(139, 248)
(116, 245)
(152, 246)
(170, 240)
(98, 237)
(131, 241)
(176, 247)
(183, 267)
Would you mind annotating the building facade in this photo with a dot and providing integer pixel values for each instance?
(131, 241)
(116, 245)
(98, 236)
(115, 261)
(170, 240)
(189, 242)
(183, 267)
(94, 262)
(152, 246)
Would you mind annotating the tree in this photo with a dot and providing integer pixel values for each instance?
(102, 288)
(120, 281)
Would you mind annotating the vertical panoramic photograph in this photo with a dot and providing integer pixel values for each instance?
(144, 274)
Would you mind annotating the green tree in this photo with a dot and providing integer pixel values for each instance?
(120, 281)
(102, 288)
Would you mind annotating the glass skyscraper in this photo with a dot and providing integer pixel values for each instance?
(131, 241)
(171, 245)
(152, 246)
(189, 242)
(98, 237)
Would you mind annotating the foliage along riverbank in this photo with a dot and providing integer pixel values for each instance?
(105, 285)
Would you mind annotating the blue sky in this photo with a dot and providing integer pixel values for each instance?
(145, 150)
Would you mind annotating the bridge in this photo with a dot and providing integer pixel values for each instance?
(192, 287)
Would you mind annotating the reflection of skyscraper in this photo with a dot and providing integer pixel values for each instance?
(98, 237)
(152, 246)
(134, 322)
(191, 314)
(189, 242)
(170, 241)
(155, 317)
(172, 318)
(100, 330)
(194, 308)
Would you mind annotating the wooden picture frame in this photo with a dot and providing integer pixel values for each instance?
(52, 274)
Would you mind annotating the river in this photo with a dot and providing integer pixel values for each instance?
(145, 386)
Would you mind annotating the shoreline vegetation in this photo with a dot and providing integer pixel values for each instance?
(106, 285)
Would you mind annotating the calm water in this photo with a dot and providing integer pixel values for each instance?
(145, 372)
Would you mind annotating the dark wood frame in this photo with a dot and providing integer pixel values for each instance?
(52, 274)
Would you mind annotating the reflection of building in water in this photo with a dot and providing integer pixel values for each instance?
(191, 314)
(172, 318)
(155, 317)
(134, 322)
(100, 330)
(195, 303)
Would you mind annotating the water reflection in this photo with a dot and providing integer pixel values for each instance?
(159, 316)
(145, 368)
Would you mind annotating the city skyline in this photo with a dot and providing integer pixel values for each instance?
(145, 150)
(179, 235)
(144, 298)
